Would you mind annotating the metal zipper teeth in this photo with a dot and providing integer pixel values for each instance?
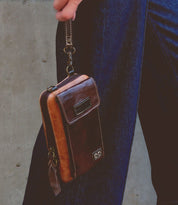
(68, 32)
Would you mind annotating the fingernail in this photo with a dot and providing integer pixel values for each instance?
(74, 17)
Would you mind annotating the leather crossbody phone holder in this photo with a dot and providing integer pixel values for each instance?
(71, 121)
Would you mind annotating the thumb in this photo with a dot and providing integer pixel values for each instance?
(74, 16)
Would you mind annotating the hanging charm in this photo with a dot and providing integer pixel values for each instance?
(69, 49)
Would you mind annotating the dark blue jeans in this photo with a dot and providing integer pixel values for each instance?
(158, 106)
(109, 37)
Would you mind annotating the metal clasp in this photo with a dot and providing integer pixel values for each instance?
(51, 88)
(52, 155)
(69, 49)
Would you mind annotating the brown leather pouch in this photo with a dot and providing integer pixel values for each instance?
(71, 121)
(72, 127)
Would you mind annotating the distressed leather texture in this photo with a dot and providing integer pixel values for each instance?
(75, 95)
(71, 122)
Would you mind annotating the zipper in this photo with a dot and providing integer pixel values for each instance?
(53, 172)
(52, 156)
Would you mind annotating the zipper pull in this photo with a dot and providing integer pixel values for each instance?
(52, 171)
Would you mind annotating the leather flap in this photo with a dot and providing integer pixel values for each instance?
(79, 100)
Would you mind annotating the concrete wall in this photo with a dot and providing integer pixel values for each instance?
(27, 66)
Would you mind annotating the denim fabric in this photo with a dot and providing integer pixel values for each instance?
(159, 96)
(109, 38)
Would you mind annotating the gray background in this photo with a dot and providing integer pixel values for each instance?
(27, 66)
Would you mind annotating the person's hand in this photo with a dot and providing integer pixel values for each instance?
(66, 9)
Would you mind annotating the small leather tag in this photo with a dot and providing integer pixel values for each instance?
(53, 178)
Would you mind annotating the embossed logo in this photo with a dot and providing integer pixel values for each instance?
(97, 154)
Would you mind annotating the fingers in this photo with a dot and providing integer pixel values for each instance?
(66, 11)
(59, 4)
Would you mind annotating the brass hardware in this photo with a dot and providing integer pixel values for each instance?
(51, 88)
(68, 31)
(69, 49)
(52, 155)
(70, 70)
